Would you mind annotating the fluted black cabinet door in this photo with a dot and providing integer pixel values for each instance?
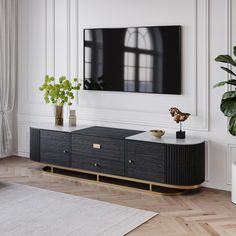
(185, 164)
(145, 161)
(55, 147)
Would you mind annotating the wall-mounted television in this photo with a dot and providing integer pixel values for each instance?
(134, 59)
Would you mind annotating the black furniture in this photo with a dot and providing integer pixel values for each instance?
(125, 157)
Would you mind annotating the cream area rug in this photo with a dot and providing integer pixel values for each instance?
(29, 211)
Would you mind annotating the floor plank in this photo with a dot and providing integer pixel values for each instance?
(202, 212)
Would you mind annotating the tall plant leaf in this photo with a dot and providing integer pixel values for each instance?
(228, 70)
(232, 125)
(228, 102)
(234, 51)
(228, 106)
(229, 94)
(226, 59)
(222, 83)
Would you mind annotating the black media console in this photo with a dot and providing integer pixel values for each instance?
(123, 157)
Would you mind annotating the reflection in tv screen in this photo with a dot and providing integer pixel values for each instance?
(138, 59)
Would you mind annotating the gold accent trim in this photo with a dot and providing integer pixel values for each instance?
(96, 146)
(182, 188)
(150, 187)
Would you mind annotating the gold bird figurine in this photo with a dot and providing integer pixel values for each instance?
(178, 115)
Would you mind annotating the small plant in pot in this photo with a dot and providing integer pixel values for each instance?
(59, 94)
(228, 101)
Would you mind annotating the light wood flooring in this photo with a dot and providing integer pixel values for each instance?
(204, 212)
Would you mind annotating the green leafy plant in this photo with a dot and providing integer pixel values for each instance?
(228, 101)
(59, 93)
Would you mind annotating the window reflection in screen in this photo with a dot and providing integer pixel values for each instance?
(88, 54)
(138, 60)
(93, 63)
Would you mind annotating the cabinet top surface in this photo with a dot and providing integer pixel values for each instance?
(53, 127)
(120, 134)
(166, 139)
(107, 132)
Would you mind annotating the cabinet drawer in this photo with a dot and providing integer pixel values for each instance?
(145, 161)
(55, 147)
(97, 147)
(99, 165)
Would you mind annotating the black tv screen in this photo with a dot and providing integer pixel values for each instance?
(135, 59)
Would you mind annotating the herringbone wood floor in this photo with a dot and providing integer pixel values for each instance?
(204, 212)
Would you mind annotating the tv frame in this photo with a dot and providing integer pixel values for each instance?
(143, 26)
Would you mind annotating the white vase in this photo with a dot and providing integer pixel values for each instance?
(72, 118)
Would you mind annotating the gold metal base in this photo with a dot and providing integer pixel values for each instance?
(120, 181)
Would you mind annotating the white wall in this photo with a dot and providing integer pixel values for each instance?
(51, 41)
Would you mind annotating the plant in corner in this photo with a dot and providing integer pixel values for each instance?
(59, 94)
(228, 101)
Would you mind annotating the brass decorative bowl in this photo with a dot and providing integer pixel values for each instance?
(157, 133)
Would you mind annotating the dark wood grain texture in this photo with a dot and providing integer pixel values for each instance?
(111, 149)
(109, 158)
(55, 147)
(35, 144)
(106, 132)
(101, 165)
(145, 161)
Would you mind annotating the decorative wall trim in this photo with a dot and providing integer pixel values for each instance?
(229, 44)
(68, 39)
(207, 65)
(45, 50)
(77, 49)
(46, 37)
(229, 28)
(230, 159)
(195, 87)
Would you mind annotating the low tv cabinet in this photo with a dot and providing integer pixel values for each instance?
(127, 158)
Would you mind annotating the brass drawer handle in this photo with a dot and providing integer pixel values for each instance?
(96, 146)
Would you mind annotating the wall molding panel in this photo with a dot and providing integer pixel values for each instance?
(231, 151)
(231, 157)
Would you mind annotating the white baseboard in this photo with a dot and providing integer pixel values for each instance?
(22, 154)
(217, 186)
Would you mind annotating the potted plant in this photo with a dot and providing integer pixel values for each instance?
(59, 94)
(228, 101)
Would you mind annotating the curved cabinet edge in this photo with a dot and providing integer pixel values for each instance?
(185, 165)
